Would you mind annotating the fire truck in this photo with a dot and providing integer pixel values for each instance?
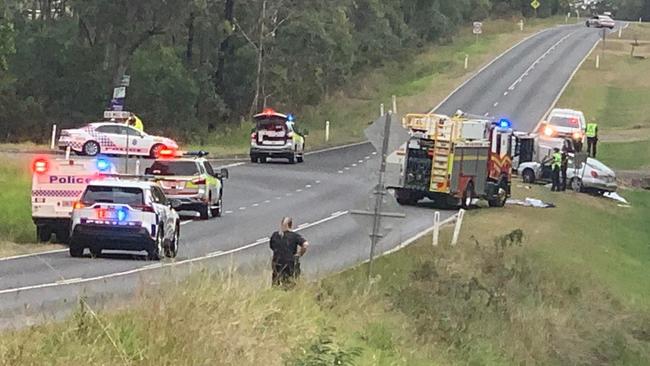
(56, 185)
(454, 160)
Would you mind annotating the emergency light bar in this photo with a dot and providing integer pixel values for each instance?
(144, 177)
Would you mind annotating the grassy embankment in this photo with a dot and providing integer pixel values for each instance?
(419, 83)
(617, 97)
(524, 286)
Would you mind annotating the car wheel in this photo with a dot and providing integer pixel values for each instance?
(468, 195)
(576, 184)
(91, 148)
(95, 251)
(43, 234)
(76, 250)
(301, 158)
(216, 211)
(528, 176)
(171, 250)
(205, 212)
(156, 250)
(292, 158)
(254, 159)
(155, 150)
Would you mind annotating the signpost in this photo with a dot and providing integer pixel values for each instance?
(477, 28)
(535, 4)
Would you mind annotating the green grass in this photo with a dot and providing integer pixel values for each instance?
(15, 194)
(524, 286)
(625, 155)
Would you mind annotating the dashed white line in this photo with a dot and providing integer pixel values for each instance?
(267, 201)
(278, 198)
(317, 182)
(360, 161)
(288, 194)
(303, 225)
(354, 165)
(255, 205)
(298, 190)
(242, 208)
(232, 165)
(347, 168)
(374, 153)
(185, 222)
(367, 158)
(505, 93)
(308, 186)
(486, 114)
(228, 212)
(496, 104)
(340, 172)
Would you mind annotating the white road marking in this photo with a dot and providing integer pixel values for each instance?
(161, 265)
(337, 148)
(242, 208)
(68, 281)
(303, 225)
(354, 165)
(298, 190)
(317, 182)
(360, 161)
(486, 114)
(347, 168)
(33, 254)
(185, 222)
(505, 93)
(255, 204)
(267, 201)
(262, 240)
(288, 194)
(496, 104)
(340, 172)
(374, 153)
(278, 198)
(367, 158)
(308, 186)
(232, 165)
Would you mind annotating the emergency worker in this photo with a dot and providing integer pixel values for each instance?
(556, 165)
(287, 247)
(592, 138)
(564, 167)
(135, 122)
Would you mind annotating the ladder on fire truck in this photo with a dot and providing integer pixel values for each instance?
(443, 148)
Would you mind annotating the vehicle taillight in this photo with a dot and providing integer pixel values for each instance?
(166, 153)
(594, 174)
(40, 166)
(145, 208)
(77, 205)
(253, 136)
(199, 181)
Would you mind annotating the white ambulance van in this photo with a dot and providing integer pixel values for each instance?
(56, 185)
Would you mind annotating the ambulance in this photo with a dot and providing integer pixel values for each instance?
(56, 185)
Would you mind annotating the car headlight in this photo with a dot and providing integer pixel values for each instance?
(548, 131)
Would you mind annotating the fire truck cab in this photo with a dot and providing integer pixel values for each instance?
(453, 160)
(56, 185)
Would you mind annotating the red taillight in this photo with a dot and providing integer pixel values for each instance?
(78, 205)
(594, 174)
(40, 166)
(102, 213)
(166, 153)
(145, 208)
(199, 181)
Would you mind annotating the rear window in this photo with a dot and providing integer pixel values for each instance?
(272, 125)
(120, 195)
(174, 168)
(565, 121)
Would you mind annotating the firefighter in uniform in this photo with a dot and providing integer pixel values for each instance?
(592, 138)
(287, 247)
(556, 165)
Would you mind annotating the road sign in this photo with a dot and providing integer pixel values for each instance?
(126, 80)
(119, 92)
(477, 28)
(535, 4)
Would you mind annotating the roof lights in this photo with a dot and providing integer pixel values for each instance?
(504, 123)
(103, 165)
(40, 166)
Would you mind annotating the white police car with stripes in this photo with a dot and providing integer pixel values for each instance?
(125, 215)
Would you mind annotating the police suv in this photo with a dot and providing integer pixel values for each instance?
(56, 185)
(124, 214)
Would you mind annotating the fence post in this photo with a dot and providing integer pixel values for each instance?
(394, 104)
(459, 223)
(53, 137)
(436, 227)
(327, 131)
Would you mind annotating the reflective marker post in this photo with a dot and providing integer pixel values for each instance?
(327, 131)
(53, 137)
(436, 228)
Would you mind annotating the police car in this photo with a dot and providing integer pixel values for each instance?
(192, 181)
(56, 185)
(123, 214)
(113, 138)
(276, 136)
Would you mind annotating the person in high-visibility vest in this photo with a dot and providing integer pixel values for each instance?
(556, 165)
(135, 122)
(592, 138)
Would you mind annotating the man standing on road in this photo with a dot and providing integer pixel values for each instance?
(556, 164)
(592, 138)
(287, 247)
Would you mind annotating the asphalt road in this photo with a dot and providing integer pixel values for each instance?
(521, 85)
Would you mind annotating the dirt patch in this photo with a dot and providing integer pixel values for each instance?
(634, 178)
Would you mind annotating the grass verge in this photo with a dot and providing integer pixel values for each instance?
(616, 96)
(522, 287)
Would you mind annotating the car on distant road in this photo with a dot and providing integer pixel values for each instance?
(131, 215)
(113, 138)
(593, 177)
(565, 123)
(601, 21)
(193, 182)
(275, 136)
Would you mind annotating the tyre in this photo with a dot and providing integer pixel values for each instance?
(43, 234)
(156, 250)
(171, 250)
(405, 197)
(502, 196)
(62, 236)
(216, 211)
(468, 195)
(528, 176)
(301, 158)
(205, 212)
(155, 150)
(254, 159)
(576, 184)
(95, 251)
(76, 250)
(91, 148)
(292, 158)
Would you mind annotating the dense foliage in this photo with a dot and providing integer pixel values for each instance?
(197, 65)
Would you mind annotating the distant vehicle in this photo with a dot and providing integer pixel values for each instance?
(601, 21)
(193, 182)
(565, 123)
(56, 185)
(595, 177)
(113, 138)
(116, 214)
(276, 136)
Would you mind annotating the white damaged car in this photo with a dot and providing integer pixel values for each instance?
(593, 177)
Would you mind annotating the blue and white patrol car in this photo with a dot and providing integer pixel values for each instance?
(56, 185)
(124, 214)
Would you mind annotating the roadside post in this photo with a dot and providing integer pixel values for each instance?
(436, 228)
(620, 32)
(459, 223)
(598, 61)
(466, 61)
(381, 110)
(67, 153)
(394, 104)
(521, 25)
(535, 5)
(53, 137)
(566, 20)
(327, 131)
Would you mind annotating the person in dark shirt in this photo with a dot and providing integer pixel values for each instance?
(287, 247)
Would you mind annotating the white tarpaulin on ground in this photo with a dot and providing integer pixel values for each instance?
(530, 202)
(615, 196)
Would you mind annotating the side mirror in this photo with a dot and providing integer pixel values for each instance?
(224, 173)
(174, 203)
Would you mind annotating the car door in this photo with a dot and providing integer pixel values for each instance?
(110, 139)
(137, 141)
(215, 183)
(162, 208)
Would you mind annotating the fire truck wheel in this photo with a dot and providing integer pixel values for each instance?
(43, 233)
(468, 195)
(405, 197)
(91, 148)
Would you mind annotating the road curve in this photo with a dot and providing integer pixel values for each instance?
(522, 85)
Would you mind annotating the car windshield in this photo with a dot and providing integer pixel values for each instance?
(565, 121)
(121, 195)
(174, 168)
(272, 125)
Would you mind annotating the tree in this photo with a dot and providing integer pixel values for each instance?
(7, 46)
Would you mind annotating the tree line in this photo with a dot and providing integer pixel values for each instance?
(198, 65)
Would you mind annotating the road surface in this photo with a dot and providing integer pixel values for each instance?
(521, 85)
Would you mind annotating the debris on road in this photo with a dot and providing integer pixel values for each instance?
(615, 196)
(530, 202)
